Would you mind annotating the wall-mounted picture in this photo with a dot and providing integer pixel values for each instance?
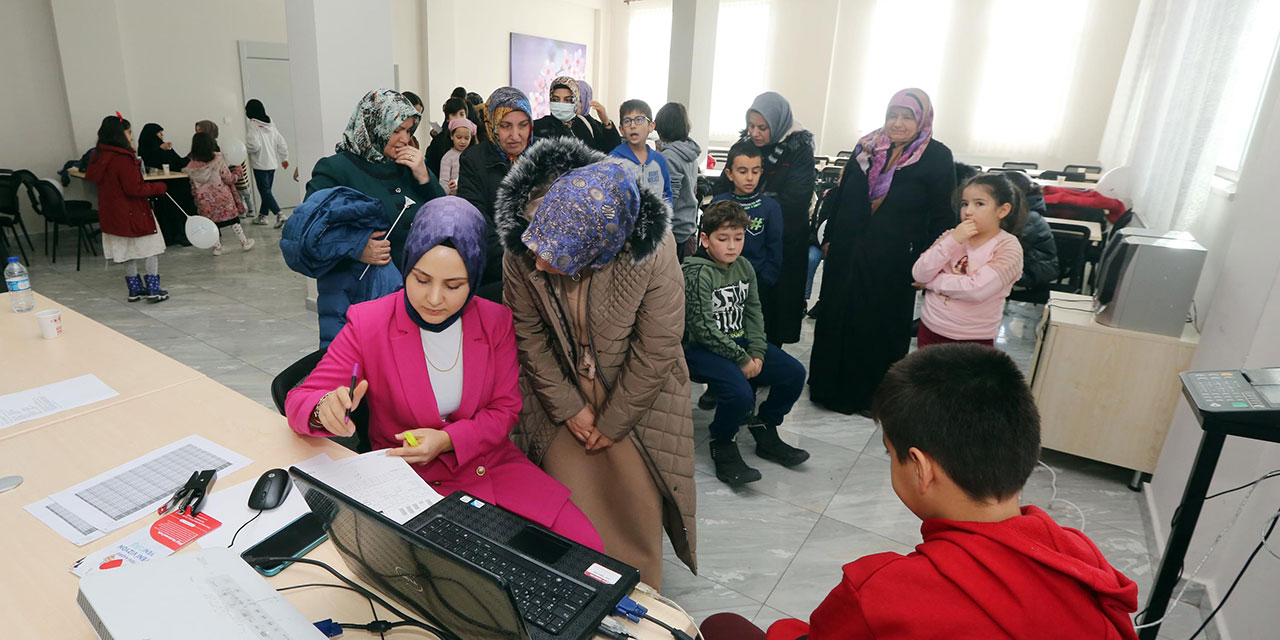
(535, 62)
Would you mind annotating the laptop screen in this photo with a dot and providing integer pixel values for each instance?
(436, 585)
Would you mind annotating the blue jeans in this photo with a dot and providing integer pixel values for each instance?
(264, 179)
(815, 256)
(735, 395)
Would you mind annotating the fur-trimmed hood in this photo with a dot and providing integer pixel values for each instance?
(539, 167)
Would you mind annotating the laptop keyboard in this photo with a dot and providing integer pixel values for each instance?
(545, 599)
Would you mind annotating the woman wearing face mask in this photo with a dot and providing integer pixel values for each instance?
(894, 200)
(437, 363)
(568, 118)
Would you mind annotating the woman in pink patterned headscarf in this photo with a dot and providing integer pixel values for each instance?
(894, 200)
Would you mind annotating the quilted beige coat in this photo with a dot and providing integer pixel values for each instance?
(636, 317)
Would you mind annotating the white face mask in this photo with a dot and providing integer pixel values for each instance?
(564, 111)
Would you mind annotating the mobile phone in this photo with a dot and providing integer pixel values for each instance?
(295, 540)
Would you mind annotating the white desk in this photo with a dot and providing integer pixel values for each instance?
(85, 346)
(155, 174)
(39, 591)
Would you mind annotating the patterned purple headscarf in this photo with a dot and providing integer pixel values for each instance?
(872, 150)
(584, 98)
(585, 218)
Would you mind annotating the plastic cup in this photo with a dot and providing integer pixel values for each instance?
(50, 323)
(166, 168)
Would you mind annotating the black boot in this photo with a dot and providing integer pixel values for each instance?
(707, 401)
(771, 447)
(730, 468)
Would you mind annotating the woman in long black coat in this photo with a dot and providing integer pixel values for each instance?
(789, 175)
(895, 199)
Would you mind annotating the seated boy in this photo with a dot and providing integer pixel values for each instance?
(650, 168)
(725, 347)
(963, 435)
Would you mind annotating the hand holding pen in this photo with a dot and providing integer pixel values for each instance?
(334, 410)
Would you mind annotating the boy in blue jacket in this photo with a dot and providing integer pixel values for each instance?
(649, 167)
(763, 248)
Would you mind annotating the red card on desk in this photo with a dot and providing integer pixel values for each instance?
(178, 529)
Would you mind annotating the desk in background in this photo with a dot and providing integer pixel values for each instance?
(1104, 393)
(171, 219)
(80, 446)
(85, 346)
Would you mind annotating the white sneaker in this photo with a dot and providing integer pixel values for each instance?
(279, 222)
(217, 249)
(248, 244)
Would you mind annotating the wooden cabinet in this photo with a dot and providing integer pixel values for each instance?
(1105, 394)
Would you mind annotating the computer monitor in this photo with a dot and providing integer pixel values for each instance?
(435, 584)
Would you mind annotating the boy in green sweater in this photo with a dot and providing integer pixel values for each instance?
(725, 346)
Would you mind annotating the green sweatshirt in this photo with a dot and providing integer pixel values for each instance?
(721, 305)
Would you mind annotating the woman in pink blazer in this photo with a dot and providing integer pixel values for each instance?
(439, 363)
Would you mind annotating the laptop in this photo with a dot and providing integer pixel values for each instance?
(473, 568)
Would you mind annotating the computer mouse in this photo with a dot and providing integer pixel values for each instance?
(271, 490)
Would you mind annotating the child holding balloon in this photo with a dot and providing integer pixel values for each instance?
(211, 182)
(237, 158)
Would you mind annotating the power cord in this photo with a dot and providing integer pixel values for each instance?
(1053, 484)
(408, 621)
(1221, 534)
(1261, 544)
(233, 536)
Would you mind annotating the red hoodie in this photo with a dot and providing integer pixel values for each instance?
(1025, 577)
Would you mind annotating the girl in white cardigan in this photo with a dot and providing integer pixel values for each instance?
(267, 151)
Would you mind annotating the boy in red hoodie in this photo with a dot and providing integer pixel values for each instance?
(963, 435)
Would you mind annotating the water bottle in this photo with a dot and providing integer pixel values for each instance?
(15, 277)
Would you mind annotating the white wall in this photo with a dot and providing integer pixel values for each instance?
(173, 80)
(468, 43)
(34, 132)
(817, 56)
(1241, 329)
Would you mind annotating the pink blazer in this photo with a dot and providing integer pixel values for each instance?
(485, 463)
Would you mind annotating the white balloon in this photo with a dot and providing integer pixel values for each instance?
(201, 232)
(233, 150)
(1115, 183)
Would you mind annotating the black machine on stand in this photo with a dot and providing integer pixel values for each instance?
(1244, 404)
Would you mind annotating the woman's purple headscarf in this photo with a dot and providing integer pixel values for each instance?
(585, 218)
(872, 150)
(453, 222)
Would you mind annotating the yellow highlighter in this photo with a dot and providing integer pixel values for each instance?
(408, 437)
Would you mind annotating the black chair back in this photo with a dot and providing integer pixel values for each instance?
(1026, 166)
(48, 202)
(1072, 241)
(1081, 169)
(9, 185)
(294, 374)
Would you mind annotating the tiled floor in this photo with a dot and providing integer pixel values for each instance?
(767, 551)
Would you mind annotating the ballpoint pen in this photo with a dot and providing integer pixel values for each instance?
(355, 371)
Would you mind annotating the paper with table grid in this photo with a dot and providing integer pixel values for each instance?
(126, 493)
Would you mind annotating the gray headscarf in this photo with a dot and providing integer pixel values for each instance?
(776, 111)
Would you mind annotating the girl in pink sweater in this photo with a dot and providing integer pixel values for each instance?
(969, 271)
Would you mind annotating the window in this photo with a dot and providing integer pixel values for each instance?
(648, 55)
(740, 70)
(896, 62)
(1010, 116)
(1243, 94)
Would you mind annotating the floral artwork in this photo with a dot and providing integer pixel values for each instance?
(535, 62)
